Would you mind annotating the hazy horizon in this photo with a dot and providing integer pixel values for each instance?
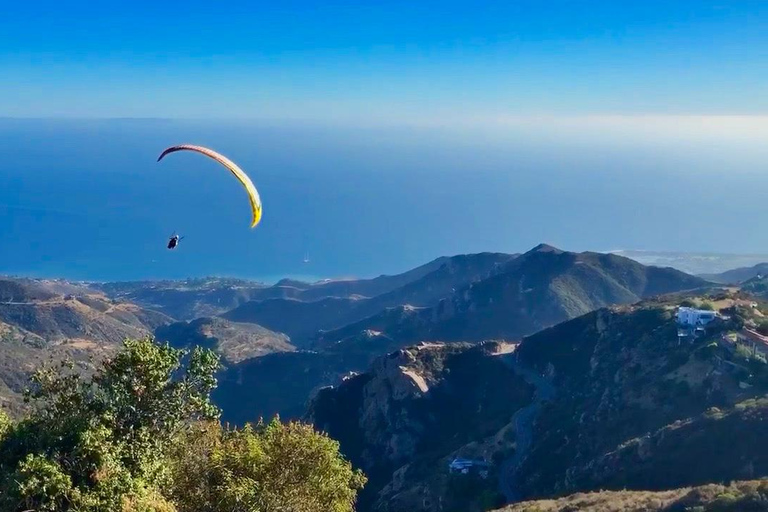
(87, 200)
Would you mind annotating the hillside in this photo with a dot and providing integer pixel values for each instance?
(372, 287)
(39, 323)
(284, 383)
(234, 342)
(621, 403)
(738, 275)
(736, 497)
(188, 299)
(539, 289)
(280, 383)
(296, 318)
(699, 264)
(757, 286)
(625, 382)
(415, 410)
(425, 286)
(212, 296)
(697, 443)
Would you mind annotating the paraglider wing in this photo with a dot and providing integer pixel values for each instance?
(243, 178)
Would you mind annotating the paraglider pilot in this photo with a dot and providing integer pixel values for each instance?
(174, 241)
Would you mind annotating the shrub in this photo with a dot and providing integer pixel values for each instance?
(268, 468)
(142, 435)
(5, 425)
(91, 444)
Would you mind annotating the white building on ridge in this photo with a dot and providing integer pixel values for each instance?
(692, 317)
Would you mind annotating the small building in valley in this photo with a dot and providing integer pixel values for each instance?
(465, 466)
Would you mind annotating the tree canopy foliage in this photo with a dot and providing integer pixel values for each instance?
(142, 435)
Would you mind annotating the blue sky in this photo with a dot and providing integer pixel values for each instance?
(386, 61)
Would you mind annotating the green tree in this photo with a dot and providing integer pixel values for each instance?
(267, 468)
(141, 435)
(101, 443)
(5, 425)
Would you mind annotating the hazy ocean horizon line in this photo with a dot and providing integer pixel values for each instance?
(684, 261)
(88, 200)
(267, 280)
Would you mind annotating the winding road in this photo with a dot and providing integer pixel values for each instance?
(524, 420)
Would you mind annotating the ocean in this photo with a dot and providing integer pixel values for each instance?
(86, 199)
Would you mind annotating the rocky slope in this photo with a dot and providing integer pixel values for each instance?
(415, 410)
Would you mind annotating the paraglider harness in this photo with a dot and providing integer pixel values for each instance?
(174, 241)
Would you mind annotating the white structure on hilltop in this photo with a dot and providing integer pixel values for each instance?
(692, 317)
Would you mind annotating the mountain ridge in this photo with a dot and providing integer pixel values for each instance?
(738, 275)
(301, 320)
(538, 289)
(213, 296)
